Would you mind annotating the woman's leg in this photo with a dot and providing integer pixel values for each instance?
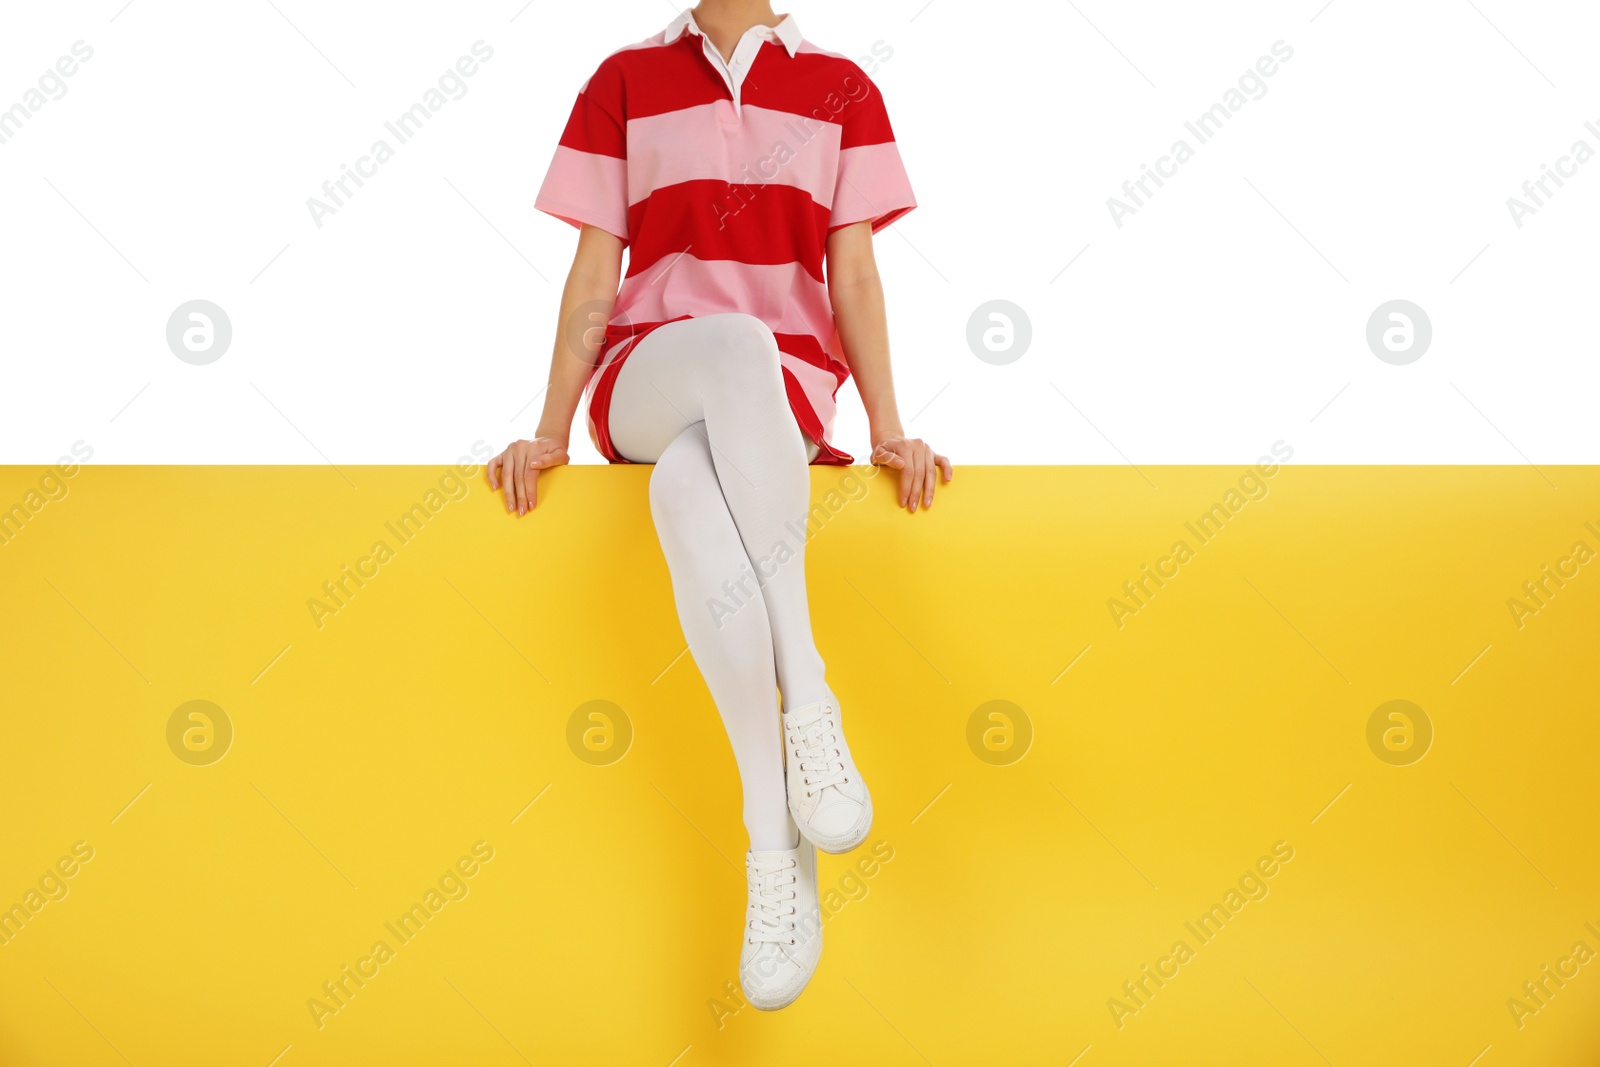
(704, 400)
(702, 545)
(724, 370)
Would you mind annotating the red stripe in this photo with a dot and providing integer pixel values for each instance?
(590, 128)
(719, 220)
(808, 83)
(597, 123)
(866, 122)
(878, 223)
(808, 349)
(668, 78)
(641, 82)
(827, 455)
(600, 412)
(600, 399)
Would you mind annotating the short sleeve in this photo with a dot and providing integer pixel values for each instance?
(588, 179)
(872, 183)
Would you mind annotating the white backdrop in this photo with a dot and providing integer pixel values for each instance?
(1227, 312)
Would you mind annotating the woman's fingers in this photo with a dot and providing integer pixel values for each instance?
(519, 468)
(508, 476)
(546, 457)
(515, 472)
(920, 468)
(887, 455)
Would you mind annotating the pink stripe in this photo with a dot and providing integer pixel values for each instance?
(781, 295)
(768, 148)
(807, 46)
(586, 187)
(872, 184)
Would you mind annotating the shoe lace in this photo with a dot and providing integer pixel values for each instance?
(816, 746)
(772, 901)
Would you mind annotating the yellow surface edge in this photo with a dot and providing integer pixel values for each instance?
(1029, 857)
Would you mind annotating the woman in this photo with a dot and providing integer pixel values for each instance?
(735, 160)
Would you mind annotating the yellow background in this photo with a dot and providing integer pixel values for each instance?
(432, 709)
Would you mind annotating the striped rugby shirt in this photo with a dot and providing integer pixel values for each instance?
(724, 180)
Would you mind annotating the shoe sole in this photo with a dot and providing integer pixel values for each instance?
(844, 843)
(778, 1005)
(772, 1007)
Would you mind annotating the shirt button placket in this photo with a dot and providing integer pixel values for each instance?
(722, 69)
(743, 56)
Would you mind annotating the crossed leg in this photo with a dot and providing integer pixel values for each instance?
(703, 399)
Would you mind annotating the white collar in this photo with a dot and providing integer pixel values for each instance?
(786, 32)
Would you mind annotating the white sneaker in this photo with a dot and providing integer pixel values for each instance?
(783, 926)
(827, 798)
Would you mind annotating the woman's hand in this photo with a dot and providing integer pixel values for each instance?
(516, 470)
(916, 461)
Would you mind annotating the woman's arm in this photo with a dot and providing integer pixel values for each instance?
(596, 268)
(856, 293)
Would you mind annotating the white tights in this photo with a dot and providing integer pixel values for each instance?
(703, 399)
